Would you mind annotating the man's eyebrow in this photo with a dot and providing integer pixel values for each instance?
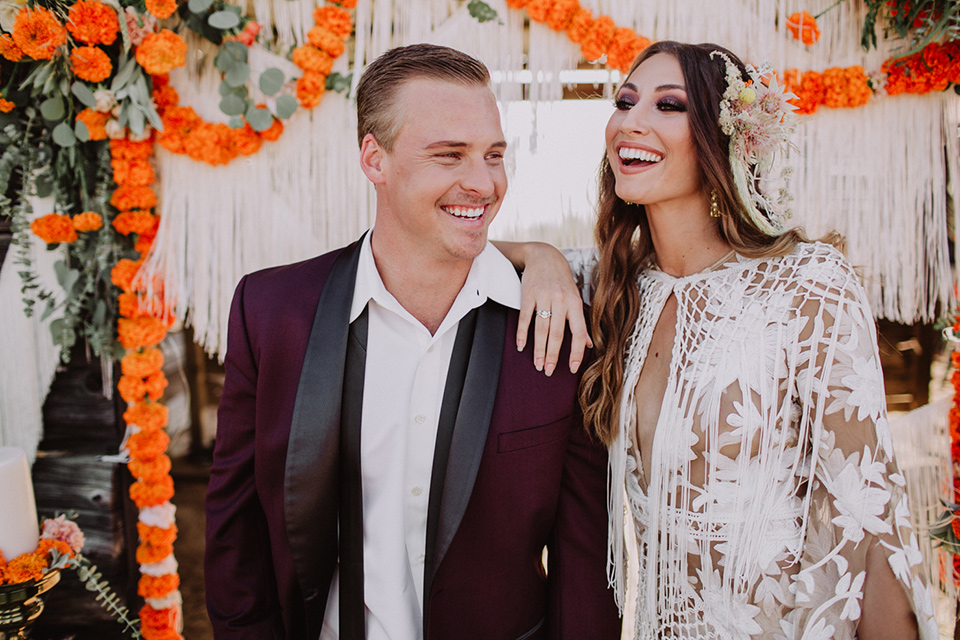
(453, 144)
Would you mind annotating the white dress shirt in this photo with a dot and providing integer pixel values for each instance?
(404, 377)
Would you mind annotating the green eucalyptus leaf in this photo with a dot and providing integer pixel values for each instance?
(235, 122)
(137, 121)
(50, 307)
(63, 135)
(80, 130)
(259, 118)
(44, 185)
(199, 6)
(236, 50)
(223, 20)
(481, 11)
(152, 116)
(124, 74)
(83, 94)
(238, 74)
(52, 109)
(233, 105)
(286, 106)
(271, 81)
(124, 115)
(338, 82)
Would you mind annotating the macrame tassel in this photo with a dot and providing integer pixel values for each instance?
(29, 356)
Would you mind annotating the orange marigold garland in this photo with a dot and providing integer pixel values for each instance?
(954, 422)
(162, 52)
(90, 63)
(54, 228)
(92, 22)
(142, 325)
(803, 27)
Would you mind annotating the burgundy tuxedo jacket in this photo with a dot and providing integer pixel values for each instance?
(522, 474)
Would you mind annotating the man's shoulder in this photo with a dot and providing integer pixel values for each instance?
(282, 282)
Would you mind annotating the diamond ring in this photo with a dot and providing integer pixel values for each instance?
(543, 314)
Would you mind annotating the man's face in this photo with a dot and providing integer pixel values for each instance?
(440, 187)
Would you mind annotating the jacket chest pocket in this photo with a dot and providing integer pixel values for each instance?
(533, 437)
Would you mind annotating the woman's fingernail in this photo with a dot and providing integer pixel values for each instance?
(538, 364)
(549, 370)
(574, 366)
(520, 345)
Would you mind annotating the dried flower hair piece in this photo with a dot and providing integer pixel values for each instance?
(759, 121)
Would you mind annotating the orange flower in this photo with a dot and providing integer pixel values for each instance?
(310, 88)
(580, 25)
(273, 132)
(124, 272)
(157, 620)
(803, 27)
(90, 63)
(517, 4)
(161, 9)
(165, 633)
(159, 586)
(133, 198)
(858, 89)
(47, 544)
(132, 172)
(38, 33)
(211, 143)
(597, 39)
(25, 567)
(95, 122)
(538, 10)
(624, 48)
(9, 48)
(141, 364)
(155, 384)
(130, 150)
(87, 221)
(177, 124)
(147, 415)
(93, 22)
(145, 445)
(150, 470)
(140, 332)
(131, 389)
(155, 535)
(334, 19)
(151, 494)
(143, 244)
(562, 13)
(161, 52)
(54, 228)
(309, 58)
(6, 106)
(148, 554)
(165, 97)
(326, 41)
(247, 141)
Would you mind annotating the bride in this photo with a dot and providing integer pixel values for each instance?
(737, 382)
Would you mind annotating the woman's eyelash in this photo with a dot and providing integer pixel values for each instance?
(622, 104)
(671, 104)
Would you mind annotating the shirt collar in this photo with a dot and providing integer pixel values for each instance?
(491, 277)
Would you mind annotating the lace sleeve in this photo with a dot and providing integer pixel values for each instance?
(857, 492)
(583, 264)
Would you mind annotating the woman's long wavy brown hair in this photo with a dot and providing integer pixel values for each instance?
(623, 233)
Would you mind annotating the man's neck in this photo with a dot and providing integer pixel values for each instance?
(424, 287)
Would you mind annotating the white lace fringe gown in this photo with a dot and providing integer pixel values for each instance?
(772, 463)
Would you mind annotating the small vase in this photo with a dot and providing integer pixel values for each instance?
(20, 604)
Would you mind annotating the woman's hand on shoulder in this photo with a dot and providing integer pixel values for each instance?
(551, 300)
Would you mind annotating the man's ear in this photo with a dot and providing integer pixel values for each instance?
(371, 159)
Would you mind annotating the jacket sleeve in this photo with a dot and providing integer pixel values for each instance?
(581, 604)
(241, 587)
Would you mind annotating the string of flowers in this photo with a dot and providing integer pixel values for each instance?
(946, 530)
(185, 132)
(142, 326)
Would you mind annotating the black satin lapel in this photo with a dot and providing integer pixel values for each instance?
(472, 424)
(310, 484)
(452, 392)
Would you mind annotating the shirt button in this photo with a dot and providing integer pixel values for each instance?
(421, 558)
(430, 348)
(416, 491)
(421, 419)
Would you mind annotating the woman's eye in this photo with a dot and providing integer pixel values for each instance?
(623, 104)
(671, 104)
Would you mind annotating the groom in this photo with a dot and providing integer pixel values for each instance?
(387, 465)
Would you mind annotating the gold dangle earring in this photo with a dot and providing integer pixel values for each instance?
(714, 206)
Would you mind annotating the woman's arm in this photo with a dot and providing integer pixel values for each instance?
(548, 286)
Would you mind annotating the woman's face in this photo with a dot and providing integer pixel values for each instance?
(649, 144)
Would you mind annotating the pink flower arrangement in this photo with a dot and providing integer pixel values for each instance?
(67, 531)
(139, 26)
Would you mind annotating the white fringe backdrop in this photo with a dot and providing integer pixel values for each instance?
(27, 353)
(879, 173)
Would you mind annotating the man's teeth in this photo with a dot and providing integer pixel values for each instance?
(629, 153)
(470, 213)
